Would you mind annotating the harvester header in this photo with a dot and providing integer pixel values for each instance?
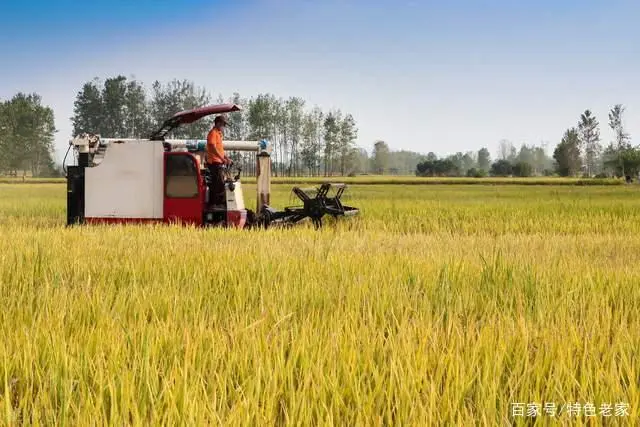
(164, 180)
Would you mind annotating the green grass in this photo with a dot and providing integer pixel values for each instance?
(438, 305)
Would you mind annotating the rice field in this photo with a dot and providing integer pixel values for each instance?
(388, 180)
(440, 305)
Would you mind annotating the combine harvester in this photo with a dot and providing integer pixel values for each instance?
(157, 180)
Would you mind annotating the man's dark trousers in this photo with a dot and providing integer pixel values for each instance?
(217, 194)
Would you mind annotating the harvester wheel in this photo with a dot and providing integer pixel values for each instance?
(252, 219)
(264, 219)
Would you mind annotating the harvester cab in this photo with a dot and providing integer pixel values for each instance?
(163, 180)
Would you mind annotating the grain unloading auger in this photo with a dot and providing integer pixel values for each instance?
(165, 181)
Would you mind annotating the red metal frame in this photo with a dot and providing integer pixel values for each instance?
(114, 220)
(237, 219)
(188, 211)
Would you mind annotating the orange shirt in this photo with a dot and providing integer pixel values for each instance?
(214, 139)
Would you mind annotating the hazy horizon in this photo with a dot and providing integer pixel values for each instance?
(422, 76)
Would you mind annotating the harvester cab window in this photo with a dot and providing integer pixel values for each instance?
(181, 177)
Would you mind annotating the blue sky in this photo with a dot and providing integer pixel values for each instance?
(422, 75)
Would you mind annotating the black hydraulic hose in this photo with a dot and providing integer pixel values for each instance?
(65, 160)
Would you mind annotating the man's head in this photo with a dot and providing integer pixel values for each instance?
(220, 121)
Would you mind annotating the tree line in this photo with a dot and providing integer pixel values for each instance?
(529, 160)
(304, 140)
(27, 131)
(580, 152)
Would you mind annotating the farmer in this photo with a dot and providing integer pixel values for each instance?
(217, 161)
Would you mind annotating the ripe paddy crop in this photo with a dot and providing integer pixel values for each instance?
(440, 305)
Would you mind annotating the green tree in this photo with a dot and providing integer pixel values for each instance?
(458, 162)
(116, 108)
(501, 167)
(468, 161)
(506, 151)
(476, 173)
(526, 154)
(622, 138)
(484, 159)
(438, 167)
(347, 151)
(26, 135)
(380, 157)
(331, 139)
(541, 162)
(88, 111)
(114, 95)
(258, 118)
(6, 129)
(137, 120)
(264, 117)
(279, 122)
(589, 132)
(175, 96)
(451, 166)
(404, 161)
(631, 160)
(310, 151)
(361, 161)
(295, 112)
(238, 127)
(567, 154)
(522, 169)
(622, 162)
